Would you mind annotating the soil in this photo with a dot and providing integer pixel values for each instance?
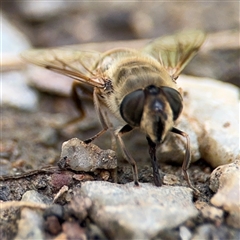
(31, 149)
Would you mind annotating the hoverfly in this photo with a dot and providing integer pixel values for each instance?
(138, 87)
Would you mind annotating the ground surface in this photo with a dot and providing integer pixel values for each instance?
(29, 143)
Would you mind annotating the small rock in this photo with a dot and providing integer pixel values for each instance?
(80, 156)
(52, 225)
(34, 196)
(73, 230)
(79, 207)
(30, 224)
(137, 212)
(210, 212)
(54, 210)
(16, 93)
(209, 231)
(12, 40)
(58, 180)
(83, 177)
(214, 107)
(170, 179)
(185, 233)
(225, 180)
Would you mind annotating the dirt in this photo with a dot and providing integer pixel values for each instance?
(31, 158)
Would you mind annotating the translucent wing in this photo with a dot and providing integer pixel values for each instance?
(78, 65)
(174, 52)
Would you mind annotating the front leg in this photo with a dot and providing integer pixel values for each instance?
(128, 157)
(187, 159)
(158, 179)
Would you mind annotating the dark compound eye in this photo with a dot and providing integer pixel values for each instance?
(175, 100)
(131, 108)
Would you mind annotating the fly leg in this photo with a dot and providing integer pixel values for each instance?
(113, 136)
(77, 101)
(187, 159)
(101, 118)
(128, 157)
(105, 126)
(158, 180)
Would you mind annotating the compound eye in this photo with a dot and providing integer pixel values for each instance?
(131, 108)
(175, 100)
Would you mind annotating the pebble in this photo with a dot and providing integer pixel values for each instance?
(72, 230)
(185, 233)
(79, 207)
(79, 156)
(30, 224)
(210, 212)
(12, 40)
(34, 196)
(213, 106)
(225, 181)
(60, 180)
(209, 231)
(137, 212)
(16, 93)
(52, 225)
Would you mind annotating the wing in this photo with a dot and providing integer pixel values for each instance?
(79, 65)
(174, 52)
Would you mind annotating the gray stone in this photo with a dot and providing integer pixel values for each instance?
(128, 212)
(185, 233)
(80, 156)
(16, 93)
(213, 105)
(210, 212)
(34, 196)
(209, 231)
(30, 224)
(12, 40)
(225, 180)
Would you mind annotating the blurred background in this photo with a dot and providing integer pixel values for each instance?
(57, 23)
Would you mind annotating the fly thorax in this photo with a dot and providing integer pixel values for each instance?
(153, 109)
